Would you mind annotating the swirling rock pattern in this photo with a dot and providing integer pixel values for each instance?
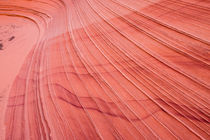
(112, 69)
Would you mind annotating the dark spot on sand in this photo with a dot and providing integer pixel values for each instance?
(1, 46)
(11, 38)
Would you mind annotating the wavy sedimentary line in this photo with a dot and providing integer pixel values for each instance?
(163, 60)
(108, 70)
(169, 32)
(172, 26)
(120, 99)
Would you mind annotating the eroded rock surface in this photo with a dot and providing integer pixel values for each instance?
(112, 69)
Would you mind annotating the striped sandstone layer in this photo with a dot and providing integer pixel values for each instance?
(111, 69)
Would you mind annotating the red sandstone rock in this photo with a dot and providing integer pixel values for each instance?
(112, 69)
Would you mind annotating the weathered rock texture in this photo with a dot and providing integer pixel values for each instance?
(104, 69)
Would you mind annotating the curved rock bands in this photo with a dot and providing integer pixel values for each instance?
(114, 69)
